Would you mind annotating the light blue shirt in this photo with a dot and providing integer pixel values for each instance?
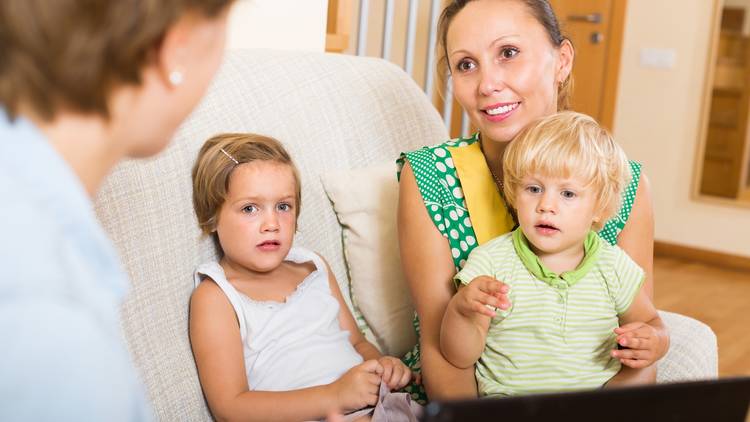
(62, 353)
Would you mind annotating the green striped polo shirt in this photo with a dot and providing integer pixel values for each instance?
(558, 333)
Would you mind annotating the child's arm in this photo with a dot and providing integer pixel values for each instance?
(467, 319)
(645, 342)
(217, 348)
(394, 373)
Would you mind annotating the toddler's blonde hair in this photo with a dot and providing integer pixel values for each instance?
(569, 144)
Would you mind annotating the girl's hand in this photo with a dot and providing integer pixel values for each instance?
(359, 386)
(482, 296)
(642, 345)
(395, 373)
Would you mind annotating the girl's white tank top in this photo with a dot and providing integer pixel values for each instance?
(293, 344)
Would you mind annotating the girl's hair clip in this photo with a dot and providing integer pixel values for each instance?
(228, 155)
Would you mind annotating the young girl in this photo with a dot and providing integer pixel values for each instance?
(569, 298)
(272, 336)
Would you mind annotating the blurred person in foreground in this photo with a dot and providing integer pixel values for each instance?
(83, 85)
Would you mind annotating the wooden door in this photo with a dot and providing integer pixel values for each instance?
(337, 28)
(727, 132)
(595, 27)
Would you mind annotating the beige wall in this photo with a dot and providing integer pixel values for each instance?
(278, 24)
(657, 120)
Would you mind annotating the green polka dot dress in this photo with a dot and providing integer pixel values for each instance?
(443, 197)
(614, 226)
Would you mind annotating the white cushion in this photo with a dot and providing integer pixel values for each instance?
(365, 202)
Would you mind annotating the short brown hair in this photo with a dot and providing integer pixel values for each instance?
(72, 53)
(215, 163)
(569, 144)
(541, 10)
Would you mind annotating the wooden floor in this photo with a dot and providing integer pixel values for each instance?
(716, 296)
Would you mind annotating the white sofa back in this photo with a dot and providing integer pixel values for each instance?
(332, 112)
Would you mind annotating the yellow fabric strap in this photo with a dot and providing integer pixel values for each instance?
(489, 215)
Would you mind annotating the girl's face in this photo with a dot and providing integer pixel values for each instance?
(257, 221)
(505, 71)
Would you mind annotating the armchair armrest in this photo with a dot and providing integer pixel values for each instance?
(693, 351)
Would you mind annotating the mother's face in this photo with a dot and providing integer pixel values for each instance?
(504, 68)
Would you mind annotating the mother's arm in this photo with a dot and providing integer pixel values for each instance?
(429, 270)
(637, 237)
(637, 240)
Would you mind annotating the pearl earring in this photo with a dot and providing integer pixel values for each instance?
(175, 77)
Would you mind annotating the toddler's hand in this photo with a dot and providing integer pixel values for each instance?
(642, 344)
(395, 373)
(482, 296)
(359, 386)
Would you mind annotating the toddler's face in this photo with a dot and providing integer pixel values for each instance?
(555, 214)
(257, 222)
